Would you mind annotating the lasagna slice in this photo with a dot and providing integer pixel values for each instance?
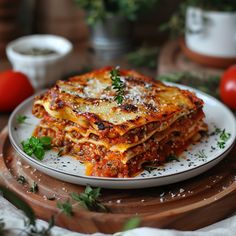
(113, 139)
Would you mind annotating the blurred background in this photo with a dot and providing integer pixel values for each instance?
(189, 41)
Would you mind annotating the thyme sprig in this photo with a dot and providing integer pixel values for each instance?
(117, 84)
(89, 199)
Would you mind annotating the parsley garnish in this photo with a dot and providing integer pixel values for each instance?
(21, 119)
(223, 138)
(36, 146)
(66, 207)
(89, 199)
(221, 144)
(34, 188)
(118, 85)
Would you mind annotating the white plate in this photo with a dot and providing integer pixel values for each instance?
(190, 163)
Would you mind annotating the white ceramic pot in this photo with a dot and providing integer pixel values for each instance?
(42, 70)
(211, 33)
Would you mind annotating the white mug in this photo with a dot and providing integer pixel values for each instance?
(211, 33)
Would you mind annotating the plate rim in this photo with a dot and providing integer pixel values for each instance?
(109, 179)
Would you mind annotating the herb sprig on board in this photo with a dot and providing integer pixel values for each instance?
(117, 84)
(89, 199)
(66, 207)
(36, 146)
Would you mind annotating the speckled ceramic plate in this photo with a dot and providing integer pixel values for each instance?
(194, 161)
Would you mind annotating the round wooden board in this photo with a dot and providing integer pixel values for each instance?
(187, 205)
(172, 59)
(217, 62)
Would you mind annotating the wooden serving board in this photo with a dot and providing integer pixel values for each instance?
(187, 205)
(172, 59)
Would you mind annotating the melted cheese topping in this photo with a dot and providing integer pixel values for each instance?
(89, 99)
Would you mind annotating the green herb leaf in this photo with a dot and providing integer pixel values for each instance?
(21, 119)
(34, 188)
(36, 146)
(39, 153)
(89, 199)
(46, 142)
(131, 223)
(221, 144)
(223, 137)
(118, 85)
(21, 179)
(66, 207)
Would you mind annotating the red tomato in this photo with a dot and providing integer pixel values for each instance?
(14, 88)
(228, 87)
